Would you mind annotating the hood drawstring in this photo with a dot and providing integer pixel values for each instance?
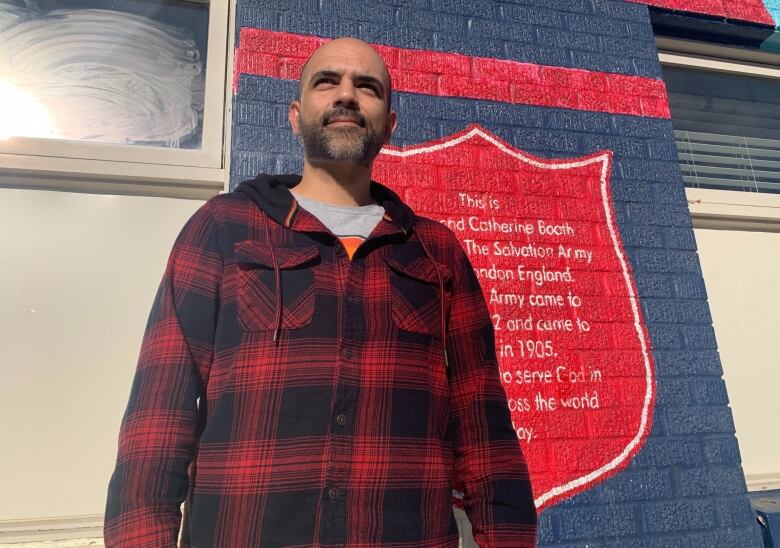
(441, 297)
(277, 282)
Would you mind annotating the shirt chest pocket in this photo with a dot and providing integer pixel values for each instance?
(416, 295)
(274, 288)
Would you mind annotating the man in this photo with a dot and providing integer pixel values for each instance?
(319, 365)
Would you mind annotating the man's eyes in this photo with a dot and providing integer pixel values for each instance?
(326, 81)
(370, 87)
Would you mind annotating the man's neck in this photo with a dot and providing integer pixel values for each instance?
(336, 183)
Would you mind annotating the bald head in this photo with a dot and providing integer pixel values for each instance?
(350, 52)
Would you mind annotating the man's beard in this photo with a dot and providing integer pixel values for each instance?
(354, 144)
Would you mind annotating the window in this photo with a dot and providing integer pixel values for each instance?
(113, 96)
(725, 107)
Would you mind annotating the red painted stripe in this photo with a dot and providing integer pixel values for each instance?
(752, 11)
(281, 55)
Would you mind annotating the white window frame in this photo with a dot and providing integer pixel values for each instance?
(136, 169)
(726, 209)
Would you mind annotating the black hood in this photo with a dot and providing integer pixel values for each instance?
(272, 194)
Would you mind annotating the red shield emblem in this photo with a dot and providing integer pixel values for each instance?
(573, 350)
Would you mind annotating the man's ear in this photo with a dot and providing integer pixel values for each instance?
(294, 115)
(392, 120)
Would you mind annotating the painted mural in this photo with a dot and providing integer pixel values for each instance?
(574, 352)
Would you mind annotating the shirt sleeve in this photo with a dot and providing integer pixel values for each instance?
(489, 465)
(158, 435)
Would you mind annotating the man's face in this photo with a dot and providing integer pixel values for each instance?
(343, 113)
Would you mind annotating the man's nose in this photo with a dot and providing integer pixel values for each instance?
(347, 94)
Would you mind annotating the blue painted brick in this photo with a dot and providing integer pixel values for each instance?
(419, 131)
(721, 450)
(257, 17)
(747, 536)
(258, 88)
(245, 165)
(376, 12)
(709, 391)
(309, 23)
(515, 115)
(482, 8)
(307, 6)
(395, 36)
(548, 529)
(634, 485)
(596, 522)
(412, 4)
(665, 336)
(619, 9)
(673, 391)
(649, 170)
(546, 140)
(256, 114)
(563, 39)
(502, 30)
(676, 311)
(687, 363)
(458, 43)
(602, 62)
(735, 511)
(679, 238)
(250, 138)
(289, 164)
(679, 515)
(700, 419)
(630, 190)
(670, 193)
(689, 287)
(574, 120)
(574, 6)
(641, 29)
(412, 107)
(662, 150)
(653, 285)
(532, 53)
(710, 481)
(699, 337)
(431, 20)
(630, 47)
(641, 236)
(650, 68)
(660, 452)
(647, 128)
(624, 146)
(597, 26)
(533, 16)
(661, 260)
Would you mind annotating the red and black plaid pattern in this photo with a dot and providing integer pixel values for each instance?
(346, 428)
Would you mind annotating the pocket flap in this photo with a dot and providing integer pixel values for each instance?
(252, 252)
(420, 269)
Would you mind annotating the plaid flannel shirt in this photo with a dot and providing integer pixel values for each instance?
(296, 398)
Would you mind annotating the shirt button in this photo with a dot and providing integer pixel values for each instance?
(341, 420)
(333, 492)
(347, 352)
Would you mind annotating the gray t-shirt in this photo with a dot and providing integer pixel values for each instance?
(351, 224)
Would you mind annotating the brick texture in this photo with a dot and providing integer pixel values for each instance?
(685, 486)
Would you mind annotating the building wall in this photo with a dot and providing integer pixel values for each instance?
(685, 487)
(79, 275)
(740, 268)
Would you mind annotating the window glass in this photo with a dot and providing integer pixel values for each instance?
(106, 71)
(727, 128)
